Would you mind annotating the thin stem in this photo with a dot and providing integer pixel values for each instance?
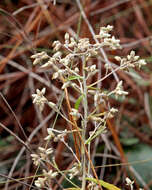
(85, 106)
(106, 76)
(89, 146)
(59, 171)
(66, 144)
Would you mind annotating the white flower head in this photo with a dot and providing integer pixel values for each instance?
(132, 56)
(46, 151)
(141, 62)
(112, 43)
(39, 57)
(104, 32)
(39, 98)
(75, 113)
(83, 44)
(57, 55)
(40, 182)
(74, 171)
(92, 68)
(111, 112)
(55, 75)
(66, 36)
(57, 45)
(130, 61)
(51, 135)
(129, 183)
(119, 90)
(50, 174)
(36, 159)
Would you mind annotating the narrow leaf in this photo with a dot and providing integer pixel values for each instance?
(98, 132)
(104, 184)
(74, 77)
(77, 104)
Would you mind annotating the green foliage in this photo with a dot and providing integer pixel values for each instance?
(77, 103)
(129, 141)
(74, 78)
(104, 184)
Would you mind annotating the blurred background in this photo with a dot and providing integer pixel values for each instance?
(30, 26)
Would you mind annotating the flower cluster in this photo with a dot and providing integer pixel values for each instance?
(42, 156)
(39, 98)
(43, 182)
(109, 41)
(56, 135)
(65, 68)
(75, 170)
(39, 57)
(118, 91)
(130, 61)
